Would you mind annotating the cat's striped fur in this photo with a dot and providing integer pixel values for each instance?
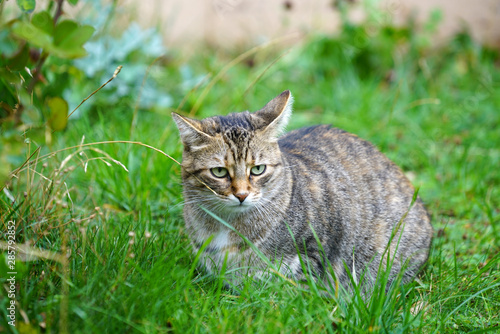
(318, 177)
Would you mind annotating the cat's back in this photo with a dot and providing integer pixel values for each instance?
(352, 195)
(349, 180)
(314, 141)
(323, 147)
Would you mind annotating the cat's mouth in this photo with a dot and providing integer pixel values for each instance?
(238, 207)
(241, 206)
(231, 210)
(232, 205)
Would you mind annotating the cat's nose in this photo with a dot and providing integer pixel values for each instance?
(241, 196)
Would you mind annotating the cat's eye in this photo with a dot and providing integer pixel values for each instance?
(258, 170)
(219, 172)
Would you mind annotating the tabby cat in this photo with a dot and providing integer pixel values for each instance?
(276, 191)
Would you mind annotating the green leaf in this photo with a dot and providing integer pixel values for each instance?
(32, 34)
(10, 80)
(69, 35)
(64, 30)
(67, 40)
(78, 38)
(19, 61)
(26, 6)
(58, 113)
(44, 22)
(73, 2)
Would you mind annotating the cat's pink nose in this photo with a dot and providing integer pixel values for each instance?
(241, 196)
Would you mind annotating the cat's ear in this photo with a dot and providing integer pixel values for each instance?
(190, 130)
(274, 117)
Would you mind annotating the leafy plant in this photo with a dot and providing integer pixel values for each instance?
(32, 106)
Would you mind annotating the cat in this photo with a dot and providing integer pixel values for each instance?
(278, 192)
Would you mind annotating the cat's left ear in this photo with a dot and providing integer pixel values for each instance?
(274, 117)
(190, 130)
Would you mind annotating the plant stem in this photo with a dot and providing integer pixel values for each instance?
(44, 55)
(58, 10)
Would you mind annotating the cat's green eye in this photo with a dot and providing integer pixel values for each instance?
(258, 170)
(219, 172)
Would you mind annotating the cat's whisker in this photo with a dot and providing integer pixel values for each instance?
(289, 166)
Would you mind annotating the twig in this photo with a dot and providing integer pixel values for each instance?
(31, 253)
(420, 102)
(58, 11)
(36, 72)
(118, 69)
(27, 161)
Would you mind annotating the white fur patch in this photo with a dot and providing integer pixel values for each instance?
(286, 114)
(281, 121)
(221, 240)
(295, 264)
(196, 148)
(291, 267)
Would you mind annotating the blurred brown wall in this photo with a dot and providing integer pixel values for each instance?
(233, 22)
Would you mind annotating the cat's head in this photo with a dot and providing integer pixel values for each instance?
(233, 163)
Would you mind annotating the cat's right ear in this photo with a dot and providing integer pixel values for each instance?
(190, 131)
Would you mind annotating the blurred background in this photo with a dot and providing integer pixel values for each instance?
(225, 23)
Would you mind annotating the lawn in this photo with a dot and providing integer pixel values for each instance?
(102, 223)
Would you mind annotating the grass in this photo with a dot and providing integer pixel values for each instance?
(116, 256)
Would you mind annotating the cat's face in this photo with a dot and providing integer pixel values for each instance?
(238, 165)
(232, 164)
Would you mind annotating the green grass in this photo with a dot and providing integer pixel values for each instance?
(126, 263)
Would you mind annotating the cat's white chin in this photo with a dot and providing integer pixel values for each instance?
(238, 208)
(235, 207)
